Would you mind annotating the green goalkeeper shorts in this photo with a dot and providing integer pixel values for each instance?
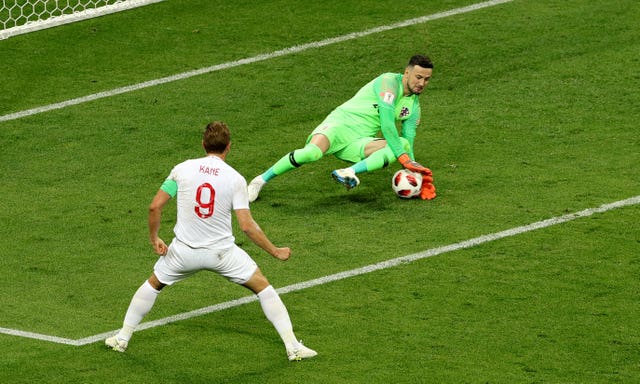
(344, 143)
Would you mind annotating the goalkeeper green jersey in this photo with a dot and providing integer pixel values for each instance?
(376, 108)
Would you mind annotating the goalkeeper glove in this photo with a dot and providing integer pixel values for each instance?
(427, 191)
(414, 166)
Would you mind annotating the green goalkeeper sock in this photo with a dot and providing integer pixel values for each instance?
(292, 160)
(377, 160)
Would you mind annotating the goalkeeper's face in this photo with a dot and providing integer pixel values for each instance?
(415, 79)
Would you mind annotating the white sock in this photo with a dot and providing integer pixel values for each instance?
(277, 314)
(140, 305)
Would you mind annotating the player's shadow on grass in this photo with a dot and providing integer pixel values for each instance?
(348, 202)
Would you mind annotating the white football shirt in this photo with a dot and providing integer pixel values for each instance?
(209, 190)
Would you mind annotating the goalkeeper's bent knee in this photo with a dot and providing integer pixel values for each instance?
(308, 154)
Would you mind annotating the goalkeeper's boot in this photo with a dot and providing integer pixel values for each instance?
(301, 352)
(116, 344)
(346, 177)
(254, 187)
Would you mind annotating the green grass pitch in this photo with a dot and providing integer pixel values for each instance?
(532, 114)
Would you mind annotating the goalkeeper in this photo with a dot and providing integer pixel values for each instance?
(351, 132)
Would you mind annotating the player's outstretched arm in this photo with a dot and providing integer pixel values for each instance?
(249, 226)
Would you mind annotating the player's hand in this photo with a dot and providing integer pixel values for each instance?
(159, 247)
(414, 166)
(427, 191)
(283, 253)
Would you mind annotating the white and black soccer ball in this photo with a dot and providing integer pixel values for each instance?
(406, 184)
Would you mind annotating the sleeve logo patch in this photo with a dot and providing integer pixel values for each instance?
(388, 97)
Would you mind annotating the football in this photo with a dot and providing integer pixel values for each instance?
(406, 184)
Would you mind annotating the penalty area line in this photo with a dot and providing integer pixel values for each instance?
(344, 275)
(38, 336)
(249, 60)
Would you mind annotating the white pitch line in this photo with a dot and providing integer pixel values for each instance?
(38, 336)
(250, 60)
(344, 275)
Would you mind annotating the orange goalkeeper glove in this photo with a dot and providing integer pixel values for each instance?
(427, 191)
(414, 166)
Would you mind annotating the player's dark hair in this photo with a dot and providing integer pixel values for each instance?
(216, 137)
(420, 60)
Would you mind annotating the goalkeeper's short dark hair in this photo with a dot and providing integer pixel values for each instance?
(421, 60)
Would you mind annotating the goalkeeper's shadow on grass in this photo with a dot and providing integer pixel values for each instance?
(337, 200)
(363, 199)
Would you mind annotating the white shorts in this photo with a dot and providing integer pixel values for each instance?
(182, 261)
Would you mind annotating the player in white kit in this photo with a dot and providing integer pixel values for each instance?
(207, 191)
